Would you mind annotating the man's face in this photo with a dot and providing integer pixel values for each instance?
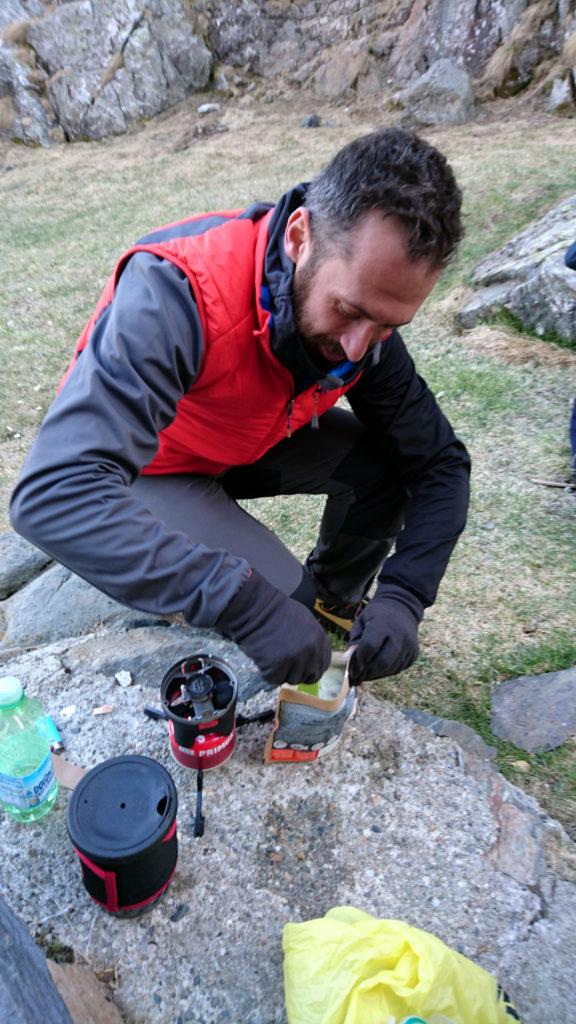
(347, 301)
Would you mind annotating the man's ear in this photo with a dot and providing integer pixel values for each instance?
(297, 235)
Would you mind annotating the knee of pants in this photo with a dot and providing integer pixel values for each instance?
(368, 484)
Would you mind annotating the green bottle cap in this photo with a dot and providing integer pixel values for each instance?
(11, 691)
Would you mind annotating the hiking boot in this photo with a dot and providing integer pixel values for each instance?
(338, 618)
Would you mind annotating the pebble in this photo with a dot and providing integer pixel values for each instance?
(180, 912)
(208, 108)
(312, 121)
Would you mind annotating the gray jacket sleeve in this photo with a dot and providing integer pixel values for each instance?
(74, 498)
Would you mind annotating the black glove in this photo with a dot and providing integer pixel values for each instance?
(385, 634)
(281, 635)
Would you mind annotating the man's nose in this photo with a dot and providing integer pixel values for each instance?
(357, 339)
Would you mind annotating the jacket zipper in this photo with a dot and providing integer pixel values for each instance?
(315, 400)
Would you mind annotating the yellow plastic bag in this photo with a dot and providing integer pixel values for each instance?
(351, 968)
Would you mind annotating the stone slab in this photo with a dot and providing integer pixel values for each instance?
(536, 713)
(20, 561)
(58, 604)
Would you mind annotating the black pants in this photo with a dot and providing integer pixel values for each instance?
(362, 516)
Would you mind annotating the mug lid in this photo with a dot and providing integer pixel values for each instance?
(122, 807)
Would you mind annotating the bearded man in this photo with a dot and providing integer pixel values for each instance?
(210, 371)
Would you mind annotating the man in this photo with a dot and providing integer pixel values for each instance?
(209, 372)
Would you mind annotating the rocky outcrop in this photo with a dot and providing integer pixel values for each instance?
(99, 67)
(464, 31)
(278, 38)
(529, 279)
(89, 68)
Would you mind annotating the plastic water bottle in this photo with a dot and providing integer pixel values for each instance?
(28, 787)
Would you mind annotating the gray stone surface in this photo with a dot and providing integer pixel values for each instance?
(58, 603)
(19, 562)
(337, 76)
(282, 39)
(148, 652)
(536, 713)
(465, 737)
(527, 277)
(25, 983)
(112, 63)
(527, 967)
(19, 10)
(396, 821)
(24, 118)
(463, 31)
(443, 95)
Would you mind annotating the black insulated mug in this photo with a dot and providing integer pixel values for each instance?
(122, 825)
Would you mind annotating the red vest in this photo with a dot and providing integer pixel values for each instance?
(241, 403)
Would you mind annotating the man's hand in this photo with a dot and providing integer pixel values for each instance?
(385, 635)
(280, 634)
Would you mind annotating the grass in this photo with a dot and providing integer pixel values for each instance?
(506, 605)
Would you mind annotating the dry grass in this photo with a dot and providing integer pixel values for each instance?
(507, 601)
(569, 51)
(501, 64)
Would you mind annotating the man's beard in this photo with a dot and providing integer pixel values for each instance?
(313, 343)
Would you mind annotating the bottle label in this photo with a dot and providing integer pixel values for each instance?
(29, 790)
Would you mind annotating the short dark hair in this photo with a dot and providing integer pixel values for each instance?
(397, 172)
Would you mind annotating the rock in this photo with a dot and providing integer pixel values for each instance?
(340, 74)
(208, 108)
(443, 95)
(123, 678)
(536, 713)
(518, 850)
(111, 64)
(283, 38)
(483, 305)
(19, 11)
(148, 652)
(390, 822)
(561, 98)
(451, 29)
(528, 974)
(28, 121)
(527, 277)
(464, 736)
(20, 561)
(58, 604)
(312, 121)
